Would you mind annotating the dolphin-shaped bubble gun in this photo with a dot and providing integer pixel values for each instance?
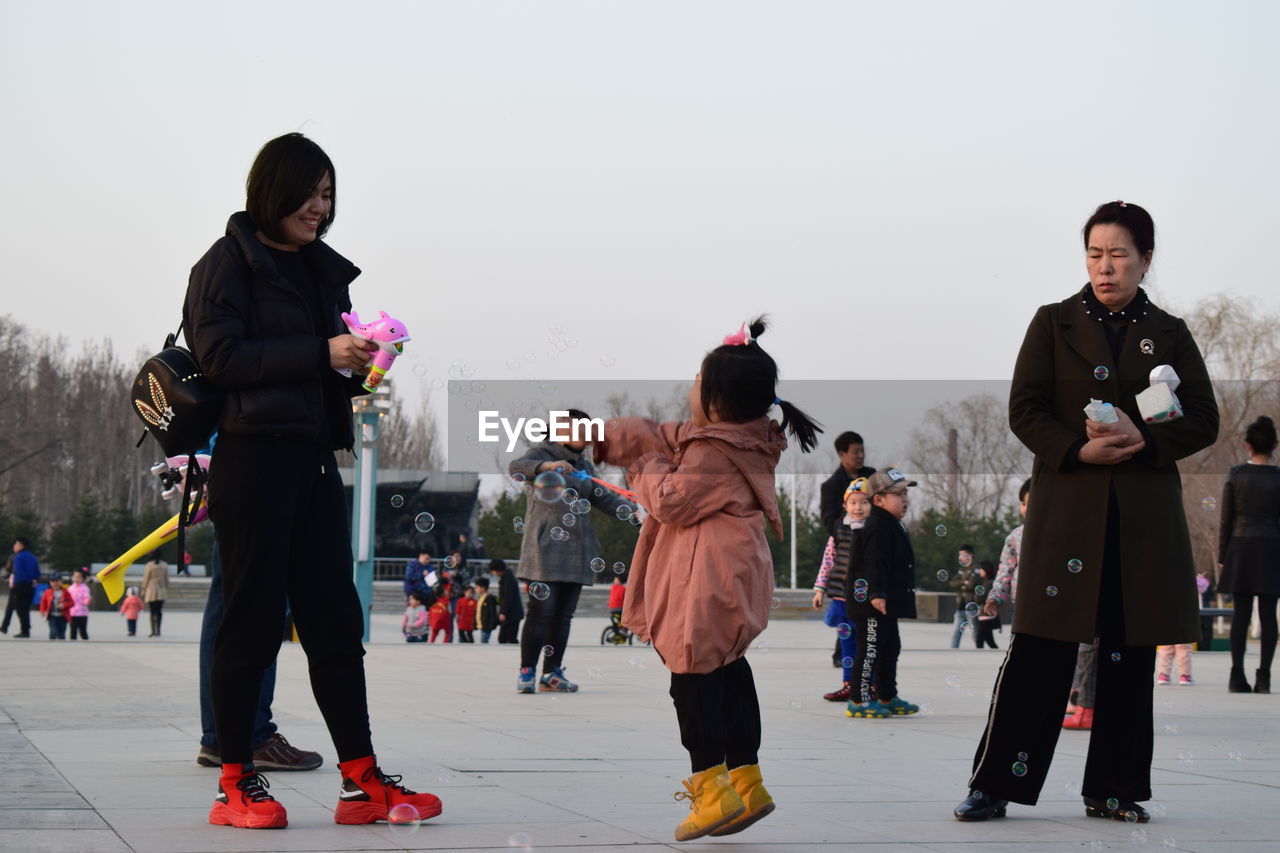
(388, 333)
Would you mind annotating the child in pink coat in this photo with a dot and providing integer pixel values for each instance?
(79, 605)
(701, 579)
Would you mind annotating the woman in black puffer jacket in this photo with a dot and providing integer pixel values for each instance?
(262, 315)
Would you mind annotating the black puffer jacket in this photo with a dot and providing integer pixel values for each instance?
(252, 332)
(882, 555)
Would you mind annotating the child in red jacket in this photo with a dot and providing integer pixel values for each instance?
(466, 613)
(439, 618)
(130, 608)
(55, 606)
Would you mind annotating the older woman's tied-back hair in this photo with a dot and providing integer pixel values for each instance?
(282, 178)
(1129, 216)
(740, 383)
(1261, 435)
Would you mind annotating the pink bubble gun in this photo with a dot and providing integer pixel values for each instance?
(388, 333)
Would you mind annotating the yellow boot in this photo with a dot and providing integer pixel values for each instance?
(713, 802)
(750, 787)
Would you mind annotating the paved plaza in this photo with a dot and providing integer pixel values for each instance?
(99, 742)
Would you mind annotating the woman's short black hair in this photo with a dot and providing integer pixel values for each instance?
(739, 381)
(1261, 435)
(282, 177)
(1131, 217)
(1024, 490)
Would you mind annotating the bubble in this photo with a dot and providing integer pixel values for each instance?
(762, 648)
(971, 608)
(978, 795)
(558, 534)
(548, 485)
(979, 590)
(619, 568)
(1138, 836)
(1171, 728)
(941, 530)
(1095, 844)
(607, 360)
(846, 662)
(1019, 768)
(569, 495)
(403, 818)
(517, 481)
(1186, 757)
(1022, 756)
(397, 501)
(595, 673)
(513, 364)
(548, 651)
(636, 662)
(539, 590)
(844, 630)
(452, 561)
(795, 704)
(1158, 809)
(1112, 804)
(581, 506)
(1235, 756)
(1073, 789)
(1209, 503)
(1074, 566)
(529, 356)
(424, 521)
(444, 779)
(597, 564)
(1115, 657)
(943, 575)
(953, 681)
(517, 524)
(520, 839)
(1170, 844)
(568, 519)
(1051, 591)
(598, 491)
(926, 708)
(624, 512)
(775, 604)
(1100, 372)
(859, 595)
(860, 583)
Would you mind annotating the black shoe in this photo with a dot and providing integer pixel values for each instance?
(978, 806)
(1116, 809)
(208, 757)
(1262, 681)
(1236, 682)
(22, 635)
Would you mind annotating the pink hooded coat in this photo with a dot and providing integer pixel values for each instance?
(701, 579)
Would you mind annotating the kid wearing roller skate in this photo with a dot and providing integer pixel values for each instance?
(701, 580)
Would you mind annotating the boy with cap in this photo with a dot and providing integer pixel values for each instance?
(880, 591)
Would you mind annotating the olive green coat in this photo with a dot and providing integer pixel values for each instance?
(1067, 511)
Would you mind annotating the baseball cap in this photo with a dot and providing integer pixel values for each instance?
(887, 480)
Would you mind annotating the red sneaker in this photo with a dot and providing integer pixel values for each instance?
(243, 800)
(841, 695)
(368, 795)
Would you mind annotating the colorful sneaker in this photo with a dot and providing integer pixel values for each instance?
(1185, 681)
(526, 681)
(867, 709)
(841, 695)
(899, 707)
(368, 795)
(243, 800)
(1162, 678)
(555, 682)
(278, 754)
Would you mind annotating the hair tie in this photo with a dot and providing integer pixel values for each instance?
(777, 401)
(742, 337)
(1121, 203)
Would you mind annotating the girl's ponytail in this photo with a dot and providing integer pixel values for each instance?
(804, 428)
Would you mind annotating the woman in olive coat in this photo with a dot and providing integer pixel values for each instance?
(1106, 552)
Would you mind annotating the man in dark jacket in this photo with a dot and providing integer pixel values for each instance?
(415, 578)
(880, 591)
(510, 607)
(852, 453)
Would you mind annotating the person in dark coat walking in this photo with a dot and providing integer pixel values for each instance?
(1106, 549)
(1249, 552)
(510, 605)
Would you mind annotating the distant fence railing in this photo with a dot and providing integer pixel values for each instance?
(392, 568)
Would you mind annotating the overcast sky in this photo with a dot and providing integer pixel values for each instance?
(898, 184)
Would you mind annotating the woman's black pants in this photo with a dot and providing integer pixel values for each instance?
(546, 623)
(1241, 616)
(1030, 695)
(719, 716)
(281, 520)
(157, 615)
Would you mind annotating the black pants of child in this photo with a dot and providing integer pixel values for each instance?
(1241, 616)
(875, 666)
(719, 716)
(1031, 691)
(546, 623)
(281, 522)
(986, 633)
(80, 627)
(156, 609)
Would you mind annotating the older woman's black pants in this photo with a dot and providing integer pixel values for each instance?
(547, 623)
(283, 535)
(719, 716)
(1027, 705)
